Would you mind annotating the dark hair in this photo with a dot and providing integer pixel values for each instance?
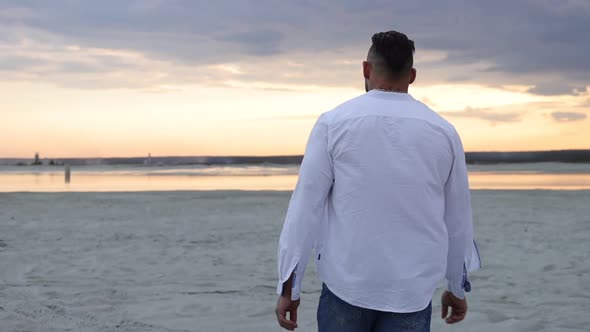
(395, 52)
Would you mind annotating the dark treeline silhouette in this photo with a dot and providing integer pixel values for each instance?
(565, 156)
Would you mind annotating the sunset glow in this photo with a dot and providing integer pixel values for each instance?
(103, 93)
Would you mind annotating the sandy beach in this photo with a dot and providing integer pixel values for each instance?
(206, 261)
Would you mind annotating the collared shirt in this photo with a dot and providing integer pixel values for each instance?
(383, 196)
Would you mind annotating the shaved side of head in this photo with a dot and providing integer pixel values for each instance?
(392, 54)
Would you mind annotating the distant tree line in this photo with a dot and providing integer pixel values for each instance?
(565, 156)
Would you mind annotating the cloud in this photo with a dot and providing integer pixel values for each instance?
(290, 118)
(489, 115)
(261, 42)
(557, 88)
(16, 63)
(568, 116)
(496, 43)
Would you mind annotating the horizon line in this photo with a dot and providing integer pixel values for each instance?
(274, 156)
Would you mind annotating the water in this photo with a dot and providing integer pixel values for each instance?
(543, 176)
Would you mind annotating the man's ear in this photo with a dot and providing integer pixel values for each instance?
(412, 75)
(367, 67)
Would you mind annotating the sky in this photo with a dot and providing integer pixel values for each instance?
(172, 78)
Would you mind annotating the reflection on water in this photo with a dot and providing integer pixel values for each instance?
(259, 178)
(115, 182)
(529, 181)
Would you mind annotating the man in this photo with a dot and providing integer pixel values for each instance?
(384, 197)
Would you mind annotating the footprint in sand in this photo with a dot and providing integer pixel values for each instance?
(496, 316)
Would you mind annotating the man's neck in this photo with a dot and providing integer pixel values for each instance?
(391, 87)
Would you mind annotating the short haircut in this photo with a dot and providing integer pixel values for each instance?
(392, 53)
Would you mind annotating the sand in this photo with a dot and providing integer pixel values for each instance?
(206, 261)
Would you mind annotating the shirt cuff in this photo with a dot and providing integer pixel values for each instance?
(456, 289)
(460, 286)
(296, 284)
(295, 293)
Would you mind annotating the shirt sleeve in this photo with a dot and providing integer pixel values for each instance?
(306, 209)
(463, 255)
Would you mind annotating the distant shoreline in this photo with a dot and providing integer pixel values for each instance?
(564, 156)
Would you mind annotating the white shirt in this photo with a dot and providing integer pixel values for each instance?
(384, 196)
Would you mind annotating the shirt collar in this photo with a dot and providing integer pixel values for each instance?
(390, 95)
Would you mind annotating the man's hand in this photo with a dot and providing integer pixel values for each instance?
(458, 308)
(286, 305)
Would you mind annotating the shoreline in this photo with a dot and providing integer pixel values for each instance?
(262, 191)
(472, 158)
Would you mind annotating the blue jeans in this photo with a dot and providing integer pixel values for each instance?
(335, 315)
